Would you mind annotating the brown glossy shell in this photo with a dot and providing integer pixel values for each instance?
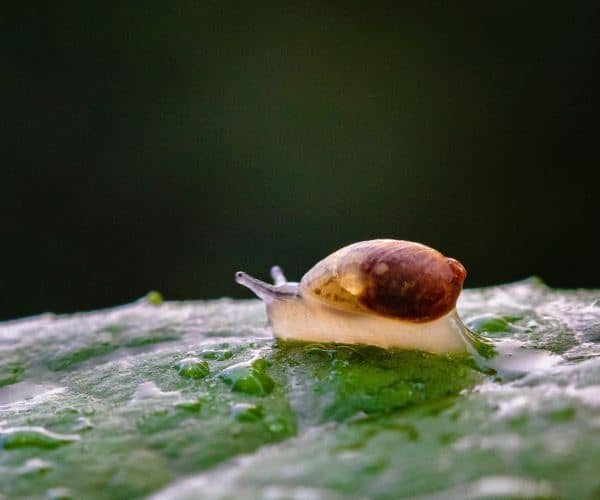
(394, 278)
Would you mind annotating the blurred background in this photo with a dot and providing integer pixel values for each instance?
(166, 145)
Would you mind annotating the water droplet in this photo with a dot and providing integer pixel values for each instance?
(23, 393)
(247, 412)
(155, 421)
(67, 410)
(277, 427)
(59, 494)
(248, 377)
(514, 359)
(149, 390)
(11, 371)
(340, 363)
(154, 298)
(82, 424)
(193, 405)
(259, 364)
(217, 354)
(33, 466)
(562, 415)
(449, 437)
(88, 411)
(491, 323)
(20, 437)
(193, 368)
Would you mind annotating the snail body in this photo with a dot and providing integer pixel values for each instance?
(387, 293)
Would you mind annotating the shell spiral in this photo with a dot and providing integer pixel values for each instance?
(394, 278)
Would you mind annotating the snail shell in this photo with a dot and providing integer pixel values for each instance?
(390, 293)
(394, 278)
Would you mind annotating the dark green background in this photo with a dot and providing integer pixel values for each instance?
(168, 145)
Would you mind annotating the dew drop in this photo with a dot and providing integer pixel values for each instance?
(514, 359)
(247, 412)
(33, 466)
(88, 411)
(67, 410)
(82, 424)
(276, 427)
(193, 368)
(192, 405)
(59, 494)
(248, 377)
(217, 354)
(562, 414)
(39, 437)
(154, 298)
(149, 390)
(491, 323)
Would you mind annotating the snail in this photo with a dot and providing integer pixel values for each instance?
(387, 293)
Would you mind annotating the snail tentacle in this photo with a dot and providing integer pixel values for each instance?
(266, 291)
(278, 276)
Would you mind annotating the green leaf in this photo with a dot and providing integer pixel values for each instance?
(140, 399)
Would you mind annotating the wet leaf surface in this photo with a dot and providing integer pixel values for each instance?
(196, 400)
